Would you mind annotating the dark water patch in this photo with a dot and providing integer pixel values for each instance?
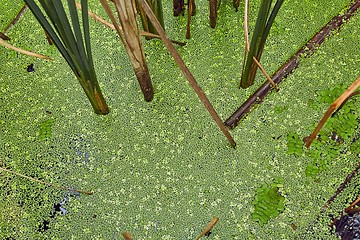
(348, 226)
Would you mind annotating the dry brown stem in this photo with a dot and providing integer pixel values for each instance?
(7, 45)
(208, 228)
(130, 37)
(332, 108)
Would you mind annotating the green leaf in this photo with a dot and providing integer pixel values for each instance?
(268, 202)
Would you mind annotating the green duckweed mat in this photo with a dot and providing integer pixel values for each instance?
(162, 170)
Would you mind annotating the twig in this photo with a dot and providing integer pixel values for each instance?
(266, 74)
(3, 36)
(7, 45)
(190, 13)
(352, 205)
(49, 184)
(201, 95)
(97, 18)
(345, 101)
(21, 12)
(208, 228)
(331, 109)
(342, 186)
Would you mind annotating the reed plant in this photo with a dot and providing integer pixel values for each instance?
(73, 44)
(129, 33)
(258, 40)
(156, 7)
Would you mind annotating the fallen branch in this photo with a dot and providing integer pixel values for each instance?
(20, 13)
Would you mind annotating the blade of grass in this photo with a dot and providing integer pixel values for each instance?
(46, 183)
(249, 72)
(78, 37)
(156, 7)
(71, 45)
(270, 21)
(86, 29)
(186, 72)
(46, 25)
(67, 35)
(7, 45)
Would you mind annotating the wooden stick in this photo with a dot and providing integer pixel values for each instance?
(266, 74)
(292, 63)
(208, 228)
(49, 184)
(3, 36)
(331, 109)
(352, 205)
(20, 13)
(190, 13)
(7, 45)
(201, 95)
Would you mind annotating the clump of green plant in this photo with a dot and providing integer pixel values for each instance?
(345, 120)
(339, 128)
(73, 44)
(45, 129)
(294, 144)
(268, 202)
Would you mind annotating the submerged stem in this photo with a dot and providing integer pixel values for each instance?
(46, 183)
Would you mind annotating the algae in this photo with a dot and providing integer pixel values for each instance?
(160, 170)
